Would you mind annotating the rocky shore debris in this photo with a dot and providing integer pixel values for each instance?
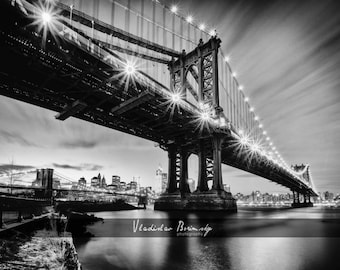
(43, 249)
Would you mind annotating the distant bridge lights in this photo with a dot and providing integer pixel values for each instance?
(256, 118)
(240, 88)
(226, 59)
(252, 109)
(260, 126)
(246, 99)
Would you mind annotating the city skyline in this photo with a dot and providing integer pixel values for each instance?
(289, 72)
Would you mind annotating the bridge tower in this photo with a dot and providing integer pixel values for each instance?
(44, 180)
(302, 198)
(202, 64)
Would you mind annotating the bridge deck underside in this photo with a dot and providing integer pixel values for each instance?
(62, 74)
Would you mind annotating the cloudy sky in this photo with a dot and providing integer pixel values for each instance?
(287, 56)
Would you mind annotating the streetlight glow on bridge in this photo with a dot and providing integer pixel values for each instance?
(255, 148)
(244, 140)
(176, 97)
(205, 116)
(46, 17)
(212, 32)
(189, 19)
(174, 9)
(130, 68)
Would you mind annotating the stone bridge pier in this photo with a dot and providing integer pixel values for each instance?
(301, 200)
(178, 195)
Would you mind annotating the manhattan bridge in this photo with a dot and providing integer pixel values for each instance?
(142, 68)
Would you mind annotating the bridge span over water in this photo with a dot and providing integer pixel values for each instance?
(141, 68)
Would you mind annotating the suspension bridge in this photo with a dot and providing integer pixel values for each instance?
(142, 68)
(45, 184)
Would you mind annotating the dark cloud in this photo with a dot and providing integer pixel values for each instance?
(7, 168)
(66, 166)
(79, 144)
(80, 167)
(15, 138)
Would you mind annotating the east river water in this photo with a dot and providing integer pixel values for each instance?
(304, 238)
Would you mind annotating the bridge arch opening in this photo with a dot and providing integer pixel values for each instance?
(193, 172)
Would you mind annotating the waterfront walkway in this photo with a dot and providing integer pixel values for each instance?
(24, 222)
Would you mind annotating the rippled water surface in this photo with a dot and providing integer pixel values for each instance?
(284, 239)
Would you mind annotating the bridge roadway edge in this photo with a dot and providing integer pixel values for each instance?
(212, 200)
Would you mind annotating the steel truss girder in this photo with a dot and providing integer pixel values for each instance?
(204, 58)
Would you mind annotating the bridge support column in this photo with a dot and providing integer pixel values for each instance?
(202, 184)
(0, 219)
(19, 216)
(172, 180)
(294, 197)
(304, 198)
(298, 203)
(183, 183)
(217, 180)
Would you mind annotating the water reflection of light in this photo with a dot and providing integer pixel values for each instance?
(272, 253)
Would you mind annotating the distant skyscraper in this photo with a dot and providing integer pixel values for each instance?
(159, 180)
(95, 182)
(164, 182)
(102, 183)
(56, 183)
(328, 196)
(122, 186)
(115, 180)
(133, 185)
(82, 182)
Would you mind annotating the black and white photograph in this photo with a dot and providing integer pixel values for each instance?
(169, 134)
